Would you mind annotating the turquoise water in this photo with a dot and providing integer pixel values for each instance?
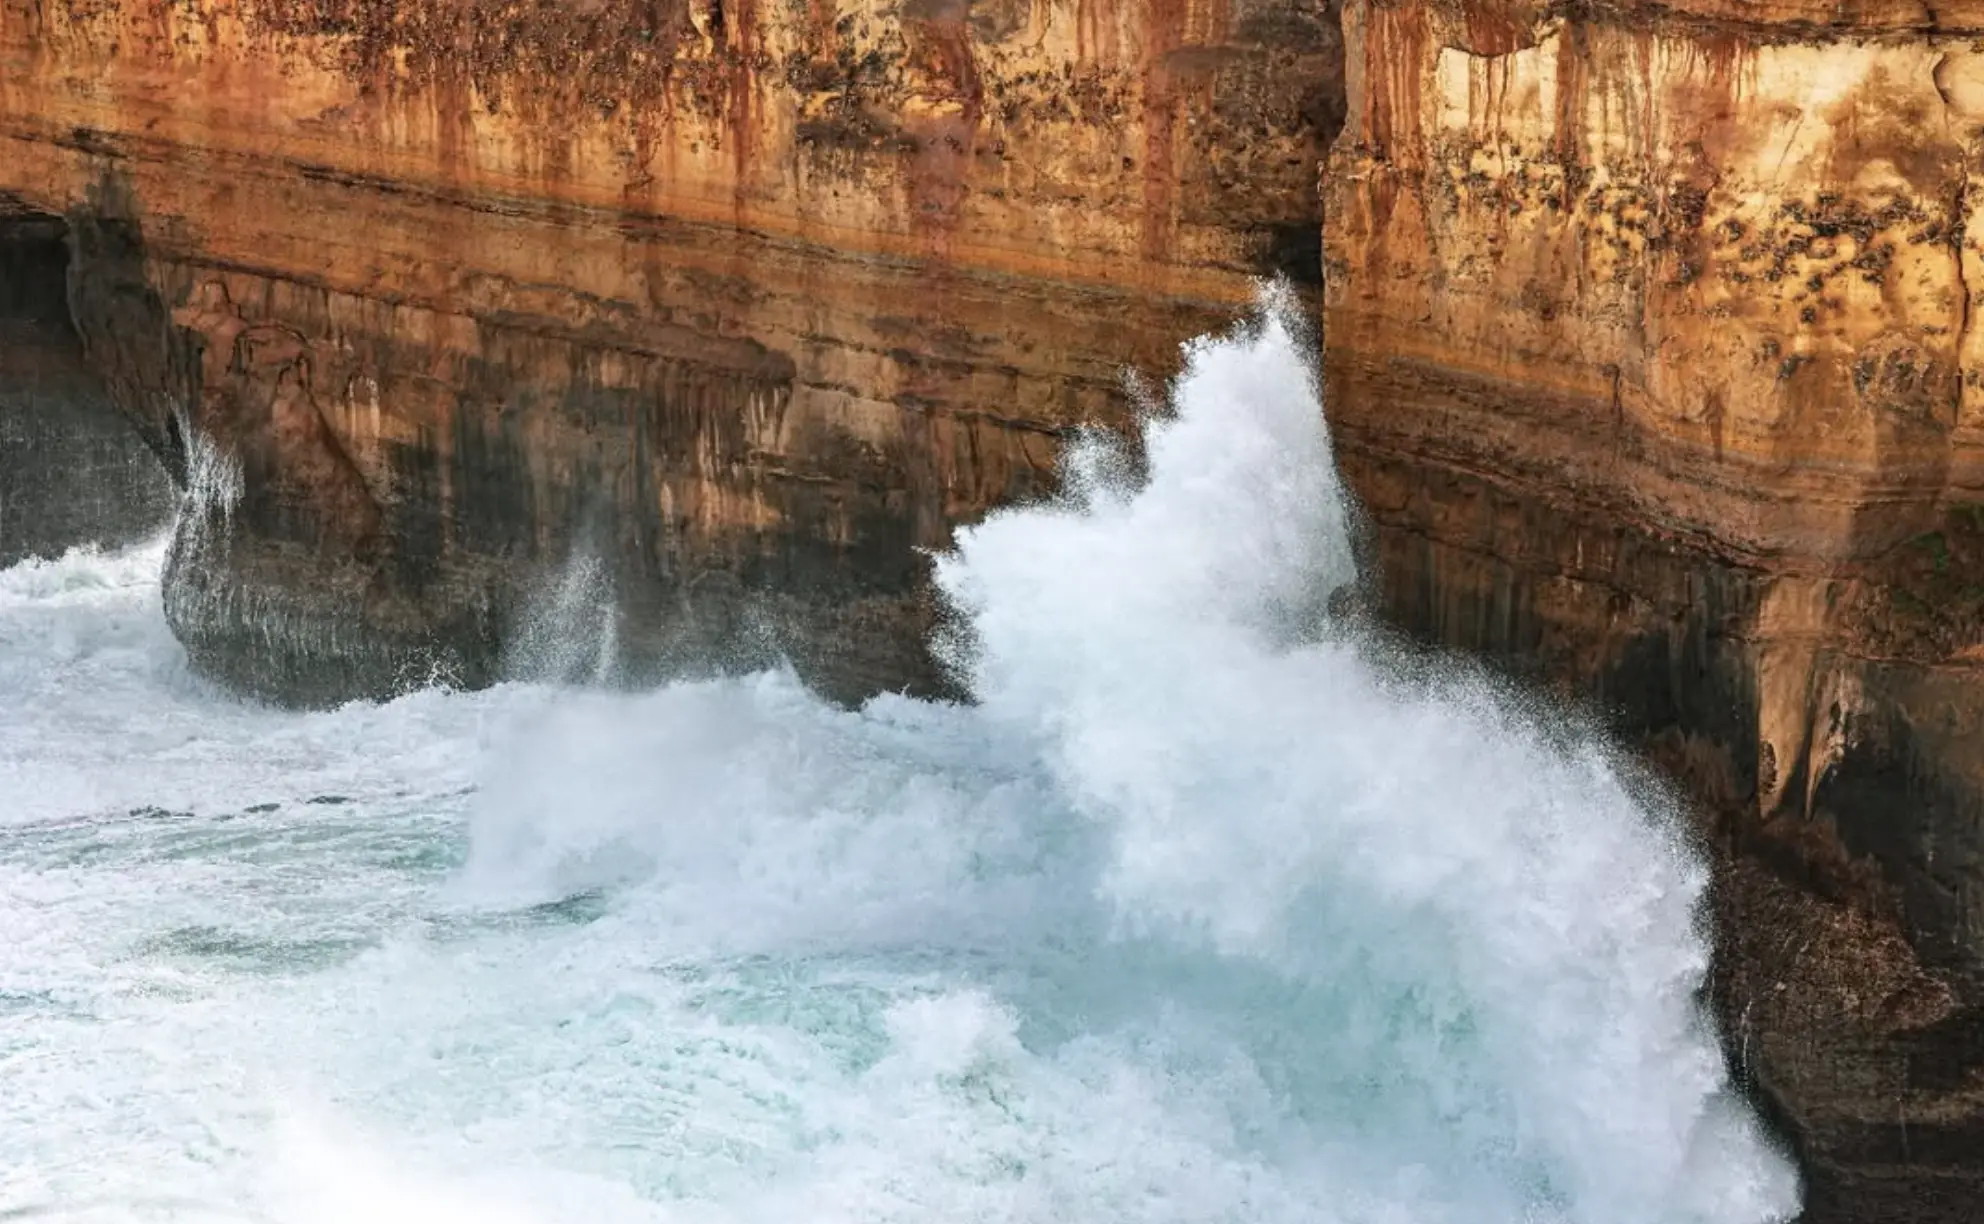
(1198, 915)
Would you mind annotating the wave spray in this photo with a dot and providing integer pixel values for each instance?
(1201, 913)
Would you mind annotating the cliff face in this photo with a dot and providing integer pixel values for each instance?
(1652, 349)
(746, 301)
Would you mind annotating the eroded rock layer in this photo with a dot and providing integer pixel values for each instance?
(1651, 348)
(748, 301)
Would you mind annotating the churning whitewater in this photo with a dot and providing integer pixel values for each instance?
(1201, 913)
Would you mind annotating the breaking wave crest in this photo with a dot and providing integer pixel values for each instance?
(1200, 913)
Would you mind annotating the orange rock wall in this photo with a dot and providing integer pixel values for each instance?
(1651, 352)
(754, 297)
(1652, 347)
(1703, 283)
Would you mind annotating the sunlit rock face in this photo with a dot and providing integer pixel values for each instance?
(1652, 352)
(747, 302)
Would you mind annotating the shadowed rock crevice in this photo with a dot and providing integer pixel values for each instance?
(71, 470)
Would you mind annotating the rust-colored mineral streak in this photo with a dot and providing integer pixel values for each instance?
(750, 300)
(1652, 351)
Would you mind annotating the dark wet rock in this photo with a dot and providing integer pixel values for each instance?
(71, 469)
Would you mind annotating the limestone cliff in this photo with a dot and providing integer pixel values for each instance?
(1652, 350)
(749, 300)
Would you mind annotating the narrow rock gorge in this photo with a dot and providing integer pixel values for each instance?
(1649, 351)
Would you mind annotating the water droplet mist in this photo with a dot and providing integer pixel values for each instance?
(1201, 913)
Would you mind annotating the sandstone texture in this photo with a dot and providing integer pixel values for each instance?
(741, 302)
(1652, 350)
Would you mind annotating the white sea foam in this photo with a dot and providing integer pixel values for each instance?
(1199, 915)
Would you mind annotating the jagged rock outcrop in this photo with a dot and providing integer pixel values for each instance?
(1652, 350)
(750, 301)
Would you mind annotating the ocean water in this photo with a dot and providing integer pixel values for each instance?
(1201, 913)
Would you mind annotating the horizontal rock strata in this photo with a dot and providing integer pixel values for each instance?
(745, 302)
(1652, 352)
